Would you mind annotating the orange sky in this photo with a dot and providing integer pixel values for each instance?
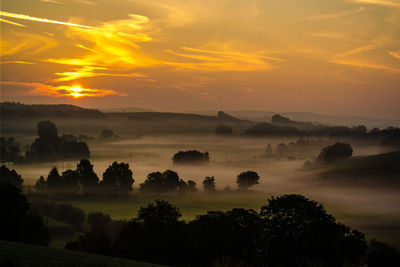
(331, 56)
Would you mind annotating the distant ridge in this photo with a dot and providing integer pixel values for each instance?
(19, 110)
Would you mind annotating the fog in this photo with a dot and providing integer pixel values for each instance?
(374, 210)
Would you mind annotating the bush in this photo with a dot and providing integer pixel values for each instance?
(335, 152)
(191, 157)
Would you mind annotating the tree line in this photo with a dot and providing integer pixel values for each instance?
(289, 230)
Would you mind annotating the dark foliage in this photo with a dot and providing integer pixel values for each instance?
(382, 255)
(18, 221)
(156, 235)
(13, 110)
(335, 152)
(60, 212)
(117, 179)
(289, 231)
(247, 179)
(87, 176)
(70, 181)
(74, 150)
(280, 119)
(268, 129)
(107, 134)
(54, 179)
(209, 184)
(226, 238)
(223, 130)
(8, 176)
(191, 157)
(9, 150)
(50, 147)
(168, 181)
(299, 231)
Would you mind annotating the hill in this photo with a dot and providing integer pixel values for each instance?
(381, 169)
(19, 254)
(17, 110)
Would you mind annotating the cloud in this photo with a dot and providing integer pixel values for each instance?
(392, 3)
(336, 14)
(12, 22)
(27, 17)
(16, 62)
(395, 54)
(72, 91)
(364, 64)
(221, 57)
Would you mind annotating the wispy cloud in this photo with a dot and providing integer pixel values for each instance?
(44, 20)
(395, 54)
(12, 22)
(336, 14)
(222, 57)
(16, 62)
(72, 91)
(393, 3)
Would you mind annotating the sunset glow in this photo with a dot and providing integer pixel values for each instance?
(334, 56)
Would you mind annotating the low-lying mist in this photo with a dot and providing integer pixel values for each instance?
(370, 209)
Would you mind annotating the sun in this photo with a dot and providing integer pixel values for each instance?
(76, 91)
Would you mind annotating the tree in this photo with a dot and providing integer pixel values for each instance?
(382, 255)
(165, 182)
(10, 177)
(54, 180)
(70, 181)
(18, 222)
(118, 177)
(209, 184)
(300, 230)
(191, 186)
(9, 150)
(247, 179)
(87, 176)
(41, 184)
(98, 221)
(338, 151)
(107, 134)
(161, 212)
(229, 238)
(268, 151)
(223, 130)
(191, 157)
(171, 180)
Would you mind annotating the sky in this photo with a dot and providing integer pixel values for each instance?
(331, 57)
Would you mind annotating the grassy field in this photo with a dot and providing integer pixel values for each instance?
(18, 254)
(190, 205)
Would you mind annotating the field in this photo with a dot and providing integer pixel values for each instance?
(24, 255)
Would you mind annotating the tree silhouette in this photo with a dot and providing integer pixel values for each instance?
(9, 150)
(209, 184)
(41, 184)
(300, 230)
(10, 177)
(87, 176)
(335, 152)
(247, 179)
(70, 181)
(54, 180)
(118, 177)
(18, 221)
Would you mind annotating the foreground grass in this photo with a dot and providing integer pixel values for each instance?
(19, 254)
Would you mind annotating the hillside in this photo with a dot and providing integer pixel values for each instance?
(18, 110)
(381, 169)
(19, 254)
